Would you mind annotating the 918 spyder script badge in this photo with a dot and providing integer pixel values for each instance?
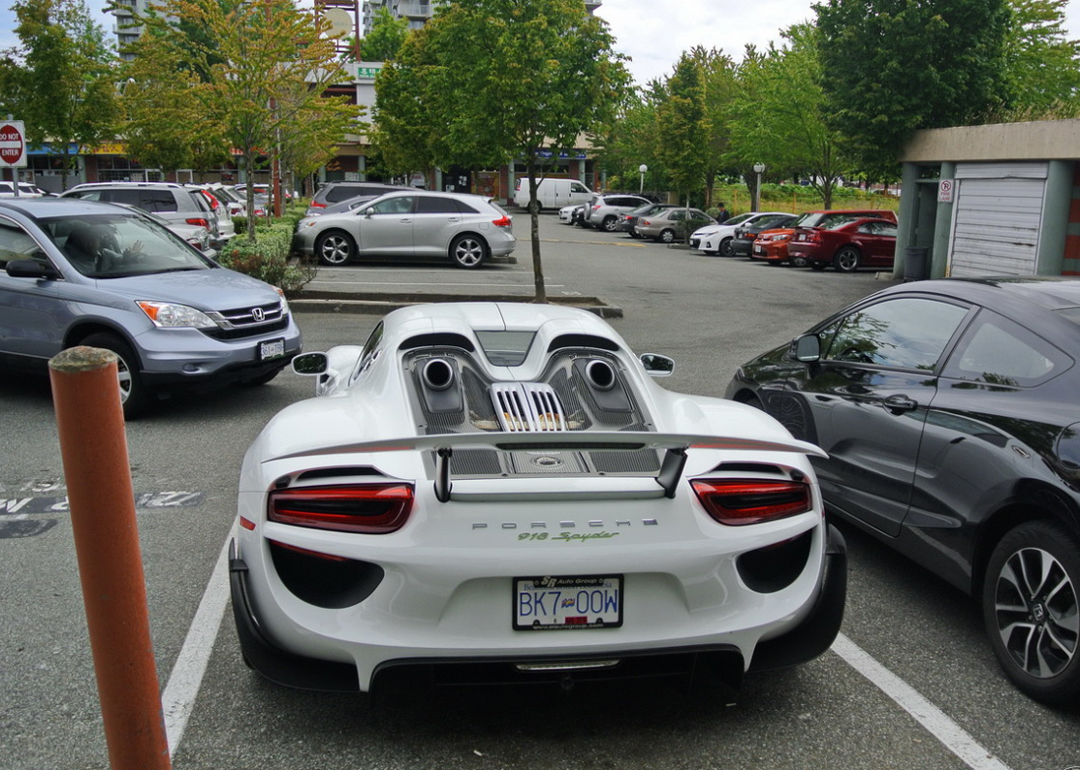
(567, 537)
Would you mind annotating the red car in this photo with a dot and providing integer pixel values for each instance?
(846, 244)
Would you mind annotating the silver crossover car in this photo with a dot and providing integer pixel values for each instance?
(76, 272)
(467, 229)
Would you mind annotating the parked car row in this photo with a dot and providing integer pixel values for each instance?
(207, 206)
(845, 239)
(635, 215)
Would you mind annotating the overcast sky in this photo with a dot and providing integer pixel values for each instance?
(653, 33)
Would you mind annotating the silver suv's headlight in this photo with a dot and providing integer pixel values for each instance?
(168, 315)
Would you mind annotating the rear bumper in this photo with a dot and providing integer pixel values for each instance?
(818, 630)
(806, 641)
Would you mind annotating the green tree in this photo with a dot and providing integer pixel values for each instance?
(385, 38)
(489, 80)
(1043, 72)
(780, 118)
(891, 67)
(718, 71)
(261, 70)
(61, 79)
(684, 123)
(632, 140)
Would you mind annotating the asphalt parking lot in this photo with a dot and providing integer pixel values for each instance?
(911, 683)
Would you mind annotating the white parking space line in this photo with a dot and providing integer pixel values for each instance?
(178, 699)
(952, 736)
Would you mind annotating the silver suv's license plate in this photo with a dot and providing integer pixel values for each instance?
(271, 349)
(568, 602)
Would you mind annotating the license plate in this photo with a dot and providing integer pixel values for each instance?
(567, 602)
(271, 349)
(759, 249)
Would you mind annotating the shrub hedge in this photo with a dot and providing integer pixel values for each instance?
(269, 257)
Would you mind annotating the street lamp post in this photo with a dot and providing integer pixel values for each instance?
(758, 169)
(641, 170)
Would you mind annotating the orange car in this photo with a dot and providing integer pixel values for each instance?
(772, 245)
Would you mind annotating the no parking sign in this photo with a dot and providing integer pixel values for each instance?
(945, 191)
(12, 144)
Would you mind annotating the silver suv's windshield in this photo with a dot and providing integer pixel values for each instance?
(119, 245)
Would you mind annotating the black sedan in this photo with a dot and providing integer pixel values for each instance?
(951, 416)
(742, 243)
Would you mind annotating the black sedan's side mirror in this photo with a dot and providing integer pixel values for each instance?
(807, 348)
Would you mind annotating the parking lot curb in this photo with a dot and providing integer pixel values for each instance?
(380, 304)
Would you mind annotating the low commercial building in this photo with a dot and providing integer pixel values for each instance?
(991, 200)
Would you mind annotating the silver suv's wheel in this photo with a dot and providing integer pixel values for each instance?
(133, 394)
(468, 251)
(609, 224)
(1031, 611)
(335, 248)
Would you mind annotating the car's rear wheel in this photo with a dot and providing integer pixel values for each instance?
(798, 261)
(1030, 609)
(609, 224)
(847, 259)
(134, 396)
(666, 236)
(725, 247)
(468, 251)
(335, 248)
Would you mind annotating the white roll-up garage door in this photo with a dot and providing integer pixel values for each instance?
(997, 217)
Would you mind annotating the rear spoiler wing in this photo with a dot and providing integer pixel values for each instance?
(673, 445)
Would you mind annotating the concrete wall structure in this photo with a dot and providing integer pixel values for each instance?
(991, 200)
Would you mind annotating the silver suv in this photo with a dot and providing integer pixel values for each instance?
(603, 211)
(175, 202)
(78, 272)
(467, 229)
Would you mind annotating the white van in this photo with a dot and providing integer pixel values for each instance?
(552, 193)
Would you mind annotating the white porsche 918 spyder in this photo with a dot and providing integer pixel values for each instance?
(501, 493)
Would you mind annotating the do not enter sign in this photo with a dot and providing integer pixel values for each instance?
(12, 144)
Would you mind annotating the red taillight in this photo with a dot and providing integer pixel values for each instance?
(318, 205)
(200, 222)
(644, 222)
(502, 222)
(749, 501)
(211, 200)
(375, 509)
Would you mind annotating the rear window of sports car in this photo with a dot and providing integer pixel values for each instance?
(504, 348)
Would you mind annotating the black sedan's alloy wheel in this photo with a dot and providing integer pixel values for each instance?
(1031, 611)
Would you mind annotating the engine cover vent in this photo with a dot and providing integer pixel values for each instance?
(528, 407)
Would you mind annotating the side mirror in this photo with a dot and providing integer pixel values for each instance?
(310, 364)
(807, 348)
(31, 268)
(657, 365)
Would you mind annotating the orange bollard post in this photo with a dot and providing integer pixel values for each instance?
(93, 446)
